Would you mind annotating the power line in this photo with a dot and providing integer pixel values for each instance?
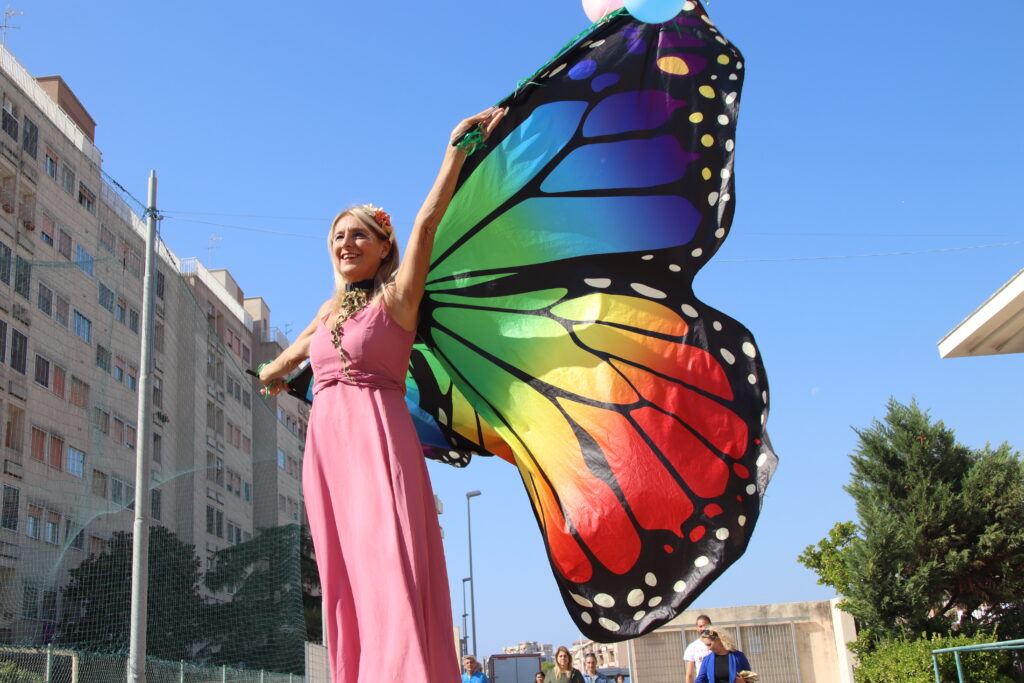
(249, 215)
(245, 227)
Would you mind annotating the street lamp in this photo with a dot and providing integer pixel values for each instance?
(464, 640)
(472, 583)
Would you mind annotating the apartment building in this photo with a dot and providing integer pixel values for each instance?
(224, 462)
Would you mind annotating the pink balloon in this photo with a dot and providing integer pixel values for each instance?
(596, 9)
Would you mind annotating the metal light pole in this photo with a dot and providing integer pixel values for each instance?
(472, 583)
(143, 451)
(464, 640)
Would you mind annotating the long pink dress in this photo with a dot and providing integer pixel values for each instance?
(371, 512)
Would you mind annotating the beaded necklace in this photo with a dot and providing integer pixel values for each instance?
(355, 300)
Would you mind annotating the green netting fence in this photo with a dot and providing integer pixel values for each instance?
(227, 591)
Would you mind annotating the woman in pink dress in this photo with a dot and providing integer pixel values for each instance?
(368, 497)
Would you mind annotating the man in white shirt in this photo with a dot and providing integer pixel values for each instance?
(697, 650)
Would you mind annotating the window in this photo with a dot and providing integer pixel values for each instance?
(56, 452)
(107, 239)
(247, 492)
(102, 418)
(281, 458)
(159, 285)
(121, 492)
(5, 263)
(119, 430)
(103, 357)
(50, 163)
(76, 462)
(47, 229)
(158, 337)
(133, 378)
(38, 444)
(99, 484)
(129, 436)
(83, 327)
(97, 546)
(86, 198)
(67, 178)
(30, 138)
(121, 313)
(34, 521)
(61, 310)
(158, 448)
(3, 341)
(215, 469)
(64, 244)
(15, 432)
(154, 504)
(11, 508)
(106, 298)
(84, 260)
(119, 369)
(42, 371)
(59, 381)
(246, 399)
(22, 276)
(45, 299)
(9, 122)
(76, 535)
(158, 392)
(51, 531)
(79, 393)
(133, 320)
(19, 351)
(246, 444)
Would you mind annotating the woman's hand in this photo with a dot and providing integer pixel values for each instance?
(487, 120)
(272, 387)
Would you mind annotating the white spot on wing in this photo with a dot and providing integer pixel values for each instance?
(599, 282)
(648, 291)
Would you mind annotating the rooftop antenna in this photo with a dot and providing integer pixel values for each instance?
(209, 249)
(8, 13)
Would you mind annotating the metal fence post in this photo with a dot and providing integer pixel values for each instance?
(262, 674)
(959, 668)
(223, 673)
(49, 664)
(181, 671)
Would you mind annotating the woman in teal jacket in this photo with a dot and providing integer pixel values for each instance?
(724, 663)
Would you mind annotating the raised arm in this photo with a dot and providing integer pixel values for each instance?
(403, 300)
(291, 357)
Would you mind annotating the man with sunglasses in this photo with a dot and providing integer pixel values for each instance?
(697, 650)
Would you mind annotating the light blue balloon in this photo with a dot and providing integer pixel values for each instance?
(654, 11)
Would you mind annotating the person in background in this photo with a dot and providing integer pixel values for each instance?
(590, 674)
(620, 679)
(697, 650)
(538, 677)
(563, 671)
(724, 662)
(474, 672)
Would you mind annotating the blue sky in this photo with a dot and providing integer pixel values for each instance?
(865, 129)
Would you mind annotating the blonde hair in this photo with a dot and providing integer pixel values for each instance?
(727, 642)
(388, 267)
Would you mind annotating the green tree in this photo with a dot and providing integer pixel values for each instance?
(312, 602)
(98, 598)
(939, 542)
(262, 625)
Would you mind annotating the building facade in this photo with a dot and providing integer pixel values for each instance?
(225, 463)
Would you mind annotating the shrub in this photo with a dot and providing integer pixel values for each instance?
(910, 661)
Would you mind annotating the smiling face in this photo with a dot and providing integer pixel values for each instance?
(357, 251)
(469, 664)
(590, 664)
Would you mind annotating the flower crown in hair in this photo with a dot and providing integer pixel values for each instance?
(381, 218)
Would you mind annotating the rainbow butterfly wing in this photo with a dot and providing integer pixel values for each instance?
(559, 303)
